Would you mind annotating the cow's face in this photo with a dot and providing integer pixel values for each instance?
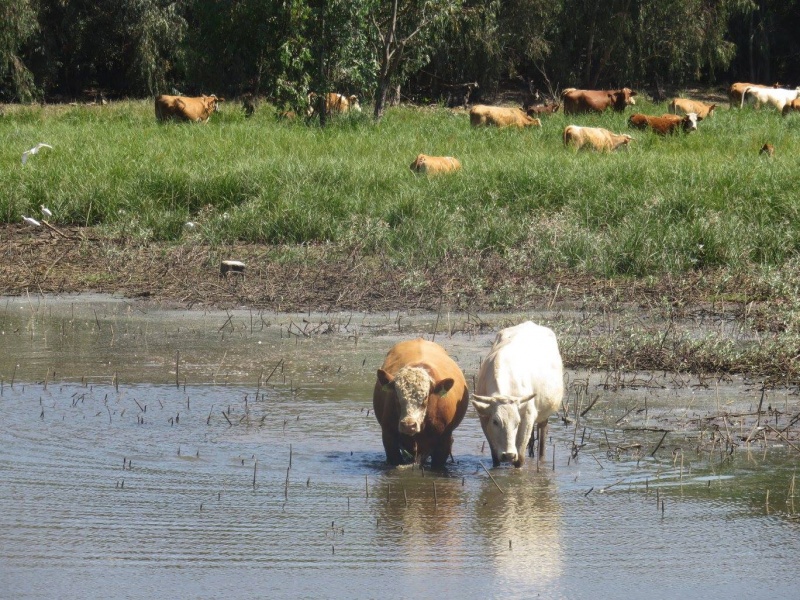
(690, 122)
(419, 164)
(413, 388)
(211, 103)
(501, 419)
(354, 104)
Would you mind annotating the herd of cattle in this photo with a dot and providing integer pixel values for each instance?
(683, 116)
(421, 396)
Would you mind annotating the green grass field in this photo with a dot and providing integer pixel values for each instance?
(686, 202)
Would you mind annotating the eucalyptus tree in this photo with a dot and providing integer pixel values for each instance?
(18, 19)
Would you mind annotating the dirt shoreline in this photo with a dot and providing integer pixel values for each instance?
(186, 275)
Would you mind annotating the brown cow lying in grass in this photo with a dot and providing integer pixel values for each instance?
(542, 109)
(664, 124)
(185, 108)
(595, 138)
(587, 101)
(431, 165)
(499, 116)
(684, 106)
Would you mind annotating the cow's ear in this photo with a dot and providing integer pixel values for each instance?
(481, 404)
(386, 380)
(443, 386)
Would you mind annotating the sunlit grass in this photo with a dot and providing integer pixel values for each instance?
(665, 205)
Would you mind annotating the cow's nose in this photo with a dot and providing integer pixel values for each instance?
(508, 456)
(409, 427)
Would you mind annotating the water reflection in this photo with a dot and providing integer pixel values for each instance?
(521, 527)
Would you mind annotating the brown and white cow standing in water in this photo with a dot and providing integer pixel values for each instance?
(431, 165)
(684, 106)
(185, 108)
(596, 138)
(665, 124)
(584, 101)
(520, 384)
(420, 397)
(500, 116)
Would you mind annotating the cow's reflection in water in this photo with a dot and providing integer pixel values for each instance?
(460, 525)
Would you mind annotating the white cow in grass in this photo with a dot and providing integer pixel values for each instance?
(778, 98)
(520, 384)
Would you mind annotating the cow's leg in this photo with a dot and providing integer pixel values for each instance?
(542, 431)
(441, 452)
(392, 446)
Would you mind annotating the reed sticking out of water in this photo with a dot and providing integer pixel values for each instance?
(226, 418)
(290, 456)
(490, 476)
(286, 486)
(13, 376)
(177, 368)
(366, 486)
(405, 496)
(554, 457)
(662, 509)
(661, 441)
(255, 467)
(96, 320)
(435, 499)
(208, 420)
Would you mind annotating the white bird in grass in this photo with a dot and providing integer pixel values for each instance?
(46, 211)
(31, 221)
(34, 150)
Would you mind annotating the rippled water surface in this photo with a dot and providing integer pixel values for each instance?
(261, 473)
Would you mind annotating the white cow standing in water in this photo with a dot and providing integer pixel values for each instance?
(520, 384)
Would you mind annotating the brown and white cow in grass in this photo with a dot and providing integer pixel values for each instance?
(499, 116)
(420, 397)
(520, 384)
(185, 108)
(432, 165)
(665, 124)
(736, 91)
(595, 138)
(335, 103)
(684, 106)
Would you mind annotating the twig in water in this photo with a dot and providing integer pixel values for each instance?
(490, 475)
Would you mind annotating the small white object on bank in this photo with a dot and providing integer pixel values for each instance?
(31, 221)
(231, 266)
(46, 211)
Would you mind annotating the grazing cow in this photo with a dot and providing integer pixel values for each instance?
(542, 109)
(184, 108)
(767, 149)
(664, 124)
(520, 384)
(793, 106)
(499, 116)
(595, 138)
(334, 103)
(778, 98)
(584, 101)
(430, 165)
(420, 397)
(683, 106)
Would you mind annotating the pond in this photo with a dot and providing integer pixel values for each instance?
(255, 469)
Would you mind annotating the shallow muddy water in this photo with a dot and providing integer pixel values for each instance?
(261, 473)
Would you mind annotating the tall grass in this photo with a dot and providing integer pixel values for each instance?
(665, 205)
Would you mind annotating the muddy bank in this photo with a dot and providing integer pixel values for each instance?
(623, 324)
